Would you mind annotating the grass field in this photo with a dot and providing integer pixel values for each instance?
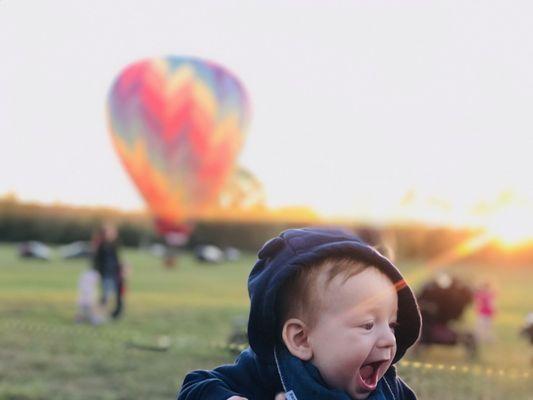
(45, 355)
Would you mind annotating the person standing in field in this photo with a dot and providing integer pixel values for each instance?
(527, 332)
(484, 298)
(107, 263)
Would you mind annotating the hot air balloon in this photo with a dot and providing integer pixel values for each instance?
(178, 124)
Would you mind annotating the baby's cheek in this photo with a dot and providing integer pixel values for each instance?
(338, 379)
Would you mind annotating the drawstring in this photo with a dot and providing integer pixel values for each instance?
(279, 370)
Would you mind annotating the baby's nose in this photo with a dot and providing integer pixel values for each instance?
(387, 338)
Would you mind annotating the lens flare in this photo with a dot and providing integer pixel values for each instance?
(512, 227)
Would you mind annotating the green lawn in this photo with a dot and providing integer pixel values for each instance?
(45, 355)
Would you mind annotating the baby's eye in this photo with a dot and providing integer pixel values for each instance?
(393, 326)
(368, 326)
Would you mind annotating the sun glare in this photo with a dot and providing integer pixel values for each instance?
(512, 227)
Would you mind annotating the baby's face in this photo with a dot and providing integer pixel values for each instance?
(353, 340)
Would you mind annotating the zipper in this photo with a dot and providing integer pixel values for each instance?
(279, 370)
(388, 387)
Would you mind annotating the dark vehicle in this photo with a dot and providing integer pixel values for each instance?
(443, 301)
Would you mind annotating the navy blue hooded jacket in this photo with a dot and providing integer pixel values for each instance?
(267, 367)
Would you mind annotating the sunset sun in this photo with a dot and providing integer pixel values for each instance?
(511, 227)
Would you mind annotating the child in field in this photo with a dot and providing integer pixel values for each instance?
(484, 298)
(87, 297)
(329, 317)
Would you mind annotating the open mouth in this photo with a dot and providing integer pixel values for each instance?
(369, 374)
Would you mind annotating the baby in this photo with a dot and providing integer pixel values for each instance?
(329, 317)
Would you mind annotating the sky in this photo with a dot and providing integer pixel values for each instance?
(376, 110)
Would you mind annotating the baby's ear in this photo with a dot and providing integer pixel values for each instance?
(295, 336)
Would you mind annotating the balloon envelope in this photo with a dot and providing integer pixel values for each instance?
(178, 124)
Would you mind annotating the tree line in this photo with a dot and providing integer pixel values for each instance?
(60, 224)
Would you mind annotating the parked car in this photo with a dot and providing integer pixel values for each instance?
(209, 254)
(232, 254)
(158, 249)
(34, 249)
(78, 249)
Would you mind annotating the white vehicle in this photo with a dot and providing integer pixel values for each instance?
(34, 249)
(209, 254)
(78, 249)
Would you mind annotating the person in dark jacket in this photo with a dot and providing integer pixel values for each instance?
(329, 318)
(107, 263)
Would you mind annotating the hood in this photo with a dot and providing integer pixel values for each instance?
(280, 257)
